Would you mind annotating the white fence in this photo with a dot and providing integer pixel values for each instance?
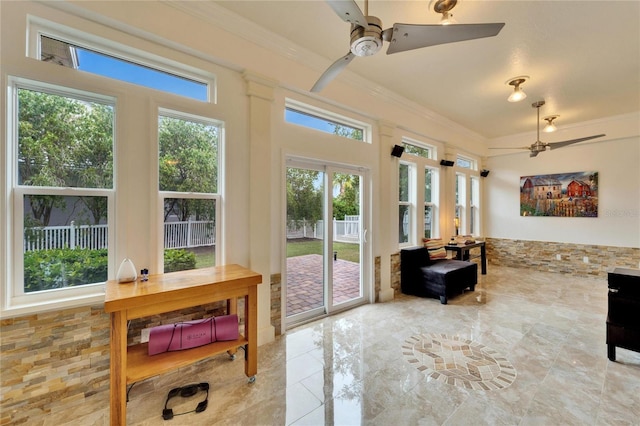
(94, 237)
(72, 236)
(194, 233)
(344, 231)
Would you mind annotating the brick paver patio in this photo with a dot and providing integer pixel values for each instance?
(305, 286)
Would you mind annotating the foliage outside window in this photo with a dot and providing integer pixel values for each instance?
(430, 195)
(188, 184)
(63, 188)
(474, 207)
(461, 203)
(404, 203)
(415, 149)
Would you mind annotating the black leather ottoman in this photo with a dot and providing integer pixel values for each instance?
(421, 276)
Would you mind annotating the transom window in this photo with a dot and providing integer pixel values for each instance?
(325, 121)
(416, 148)
(466, 163)
(84, 59)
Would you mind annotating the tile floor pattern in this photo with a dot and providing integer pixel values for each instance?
(458, 362)
(305, 282)
(349, 369)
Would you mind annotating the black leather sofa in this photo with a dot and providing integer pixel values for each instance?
(441, 278)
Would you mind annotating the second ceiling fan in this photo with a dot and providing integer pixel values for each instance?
(367, 35)
(538, 146)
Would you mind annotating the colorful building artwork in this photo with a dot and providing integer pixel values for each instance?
(563, 194)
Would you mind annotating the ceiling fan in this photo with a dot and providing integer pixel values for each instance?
(539, 146)
(367, 34)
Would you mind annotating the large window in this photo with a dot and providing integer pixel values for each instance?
(188, 183)
(460, 222)
(430, 201)
(418, 192)
(474, 207)
(404, 203)
(62, 186)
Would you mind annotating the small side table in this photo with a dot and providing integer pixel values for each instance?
(462, 252)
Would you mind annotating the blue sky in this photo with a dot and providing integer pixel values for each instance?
(109, 66)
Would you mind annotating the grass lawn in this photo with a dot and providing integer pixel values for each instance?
(346, 251)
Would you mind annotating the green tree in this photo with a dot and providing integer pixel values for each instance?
(188, 163)
(63, 142)
(304, 195)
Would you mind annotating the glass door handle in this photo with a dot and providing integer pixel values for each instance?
(364, 235)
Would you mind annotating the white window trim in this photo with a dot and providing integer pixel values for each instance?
(410, 203)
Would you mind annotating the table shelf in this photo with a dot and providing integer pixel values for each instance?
(142, 366)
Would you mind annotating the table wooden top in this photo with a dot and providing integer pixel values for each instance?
(183, 284)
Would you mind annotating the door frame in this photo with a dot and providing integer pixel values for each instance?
(366, 262)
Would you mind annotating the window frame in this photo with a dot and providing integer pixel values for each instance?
(16, 299)
(409, 203)
(164, 194)
(435, 195)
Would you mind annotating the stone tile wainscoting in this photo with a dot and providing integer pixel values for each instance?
(55, 367)
(543, 256)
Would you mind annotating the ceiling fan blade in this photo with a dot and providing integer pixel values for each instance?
(332, 72)
(511, 147)
(534, 153)
(555, 145)
(348, 11)
(407, 36)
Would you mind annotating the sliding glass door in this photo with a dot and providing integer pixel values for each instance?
(325, 240)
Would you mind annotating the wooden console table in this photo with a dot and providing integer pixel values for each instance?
(166, 293)
(462, 253)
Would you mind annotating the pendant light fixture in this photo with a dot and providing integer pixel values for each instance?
(550, 127)
(518, 94)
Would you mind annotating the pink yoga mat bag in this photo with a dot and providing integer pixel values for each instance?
(191, 334)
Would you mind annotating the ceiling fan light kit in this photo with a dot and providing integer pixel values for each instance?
(550, 126)
(367, 34)
(518, 94)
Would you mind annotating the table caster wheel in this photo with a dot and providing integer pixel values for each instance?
(232, 357)
(252, 379)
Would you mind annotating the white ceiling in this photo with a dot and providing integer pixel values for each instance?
(583, 57)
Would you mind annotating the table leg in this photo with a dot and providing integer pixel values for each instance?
(483, 258)
(251, 331)
(232, 308)
(118, 369)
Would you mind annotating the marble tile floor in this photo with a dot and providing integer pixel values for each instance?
(546, 331)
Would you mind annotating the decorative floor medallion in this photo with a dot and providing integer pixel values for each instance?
(459, 362)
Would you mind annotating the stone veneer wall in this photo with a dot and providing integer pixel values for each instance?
(395, 273)
(542, 256)
(276, 303)
(55, 368)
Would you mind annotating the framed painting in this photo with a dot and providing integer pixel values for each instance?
(563, 194)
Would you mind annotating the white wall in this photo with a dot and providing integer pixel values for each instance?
(616, 158)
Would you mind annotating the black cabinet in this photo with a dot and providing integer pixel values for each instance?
(623, 319)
